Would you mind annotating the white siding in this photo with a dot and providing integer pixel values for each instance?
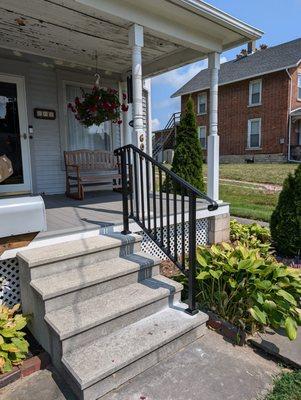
(48, 174)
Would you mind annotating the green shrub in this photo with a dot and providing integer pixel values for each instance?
(248, 290)
(13, 346)
(252, 236)
(188, 157)
(286, 218)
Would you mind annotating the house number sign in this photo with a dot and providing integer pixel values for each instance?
(42, 113)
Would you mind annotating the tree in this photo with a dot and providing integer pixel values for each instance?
(286, 218)
(188, 156)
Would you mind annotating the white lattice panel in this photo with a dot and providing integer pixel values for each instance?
(201, 238)
(10, 282)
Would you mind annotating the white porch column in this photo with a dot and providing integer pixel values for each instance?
(213, 138)
(136, 42)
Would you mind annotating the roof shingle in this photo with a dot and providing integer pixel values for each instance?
(274, 58)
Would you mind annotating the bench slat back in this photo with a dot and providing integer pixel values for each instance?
(90, 159)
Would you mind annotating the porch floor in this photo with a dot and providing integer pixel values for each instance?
(99, 210)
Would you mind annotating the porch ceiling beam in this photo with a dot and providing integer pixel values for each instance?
(172, 61)
(161, 24)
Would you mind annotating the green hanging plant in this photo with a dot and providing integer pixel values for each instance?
(98, 106)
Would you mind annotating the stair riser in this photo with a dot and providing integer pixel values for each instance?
(118, 323)
(111, 382)
(100, 288)
(81, 261)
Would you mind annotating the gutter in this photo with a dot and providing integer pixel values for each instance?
(218, 16)
(289, 115)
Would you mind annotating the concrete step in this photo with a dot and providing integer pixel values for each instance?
(97, 368)
(46, 261)
(76, 285)
(80, 323)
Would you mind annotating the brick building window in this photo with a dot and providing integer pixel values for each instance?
(299, 132)
(203, 136)
(254, 133)
(299, 86)
(255, 88)
(202, 103)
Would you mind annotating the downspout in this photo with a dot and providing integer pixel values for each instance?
(289, 116)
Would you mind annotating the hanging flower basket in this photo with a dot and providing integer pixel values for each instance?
(98, 106)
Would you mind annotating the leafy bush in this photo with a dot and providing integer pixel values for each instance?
(13, 346)
(248, 290)
(286, 218)
(252, 236)
(188, 157)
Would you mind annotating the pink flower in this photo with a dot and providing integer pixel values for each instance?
(124, 107)
(124, 96)
(119, 122)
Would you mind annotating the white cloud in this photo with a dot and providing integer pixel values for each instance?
(178, 77)
(155, 124)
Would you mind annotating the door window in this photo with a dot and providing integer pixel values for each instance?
(10, 141)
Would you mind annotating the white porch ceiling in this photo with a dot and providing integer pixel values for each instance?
(70, 32)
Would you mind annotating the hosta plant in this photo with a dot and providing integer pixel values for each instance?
(248, 290)
(13, 346)
(252, 236)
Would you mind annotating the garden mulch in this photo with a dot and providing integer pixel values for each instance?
(278, 345)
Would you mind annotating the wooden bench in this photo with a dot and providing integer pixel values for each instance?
(88, 168)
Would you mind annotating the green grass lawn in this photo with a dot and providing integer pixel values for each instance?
(287, 387)
(261, 173)
(249, 202)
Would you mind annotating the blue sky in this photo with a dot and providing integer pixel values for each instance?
(279, 19)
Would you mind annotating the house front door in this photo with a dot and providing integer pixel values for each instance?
(14, 140)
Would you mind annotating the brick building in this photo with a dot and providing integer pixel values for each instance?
(259, 104)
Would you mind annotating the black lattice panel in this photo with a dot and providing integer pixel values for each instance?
(150, 247)
(10, 282)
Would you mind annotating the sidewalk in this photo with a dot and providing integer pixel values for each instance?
(208, 369)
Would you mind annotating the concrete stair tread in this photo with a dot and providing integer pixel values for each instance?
(73, 319)
(76, 248)
(55, 285)
(107, 355)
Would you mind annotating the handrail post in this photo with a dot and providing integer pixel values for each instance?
(192, 256)
(124, 184)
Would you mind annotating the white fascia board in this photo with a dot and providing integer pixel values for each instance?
(224, 19)
(233, 81)
(170, 29)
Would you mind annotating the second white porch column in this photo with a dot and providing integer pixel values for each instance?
(213, 138)
(136, 42)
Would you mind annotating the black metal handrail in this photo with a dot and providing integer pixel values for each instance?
(152, 195)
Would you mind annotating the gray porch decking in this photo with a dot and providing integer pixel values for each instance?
(99, 210)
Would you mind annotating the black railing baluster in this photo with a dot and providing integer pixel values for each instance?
(175, 225)
(183, 228)
(142, 190)
(154, 201)
(136, 183)
(148, 194)
(161, 208)
(130, 172)
(135, 155)
(192, 256)
(125, 204)
(167, 183)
